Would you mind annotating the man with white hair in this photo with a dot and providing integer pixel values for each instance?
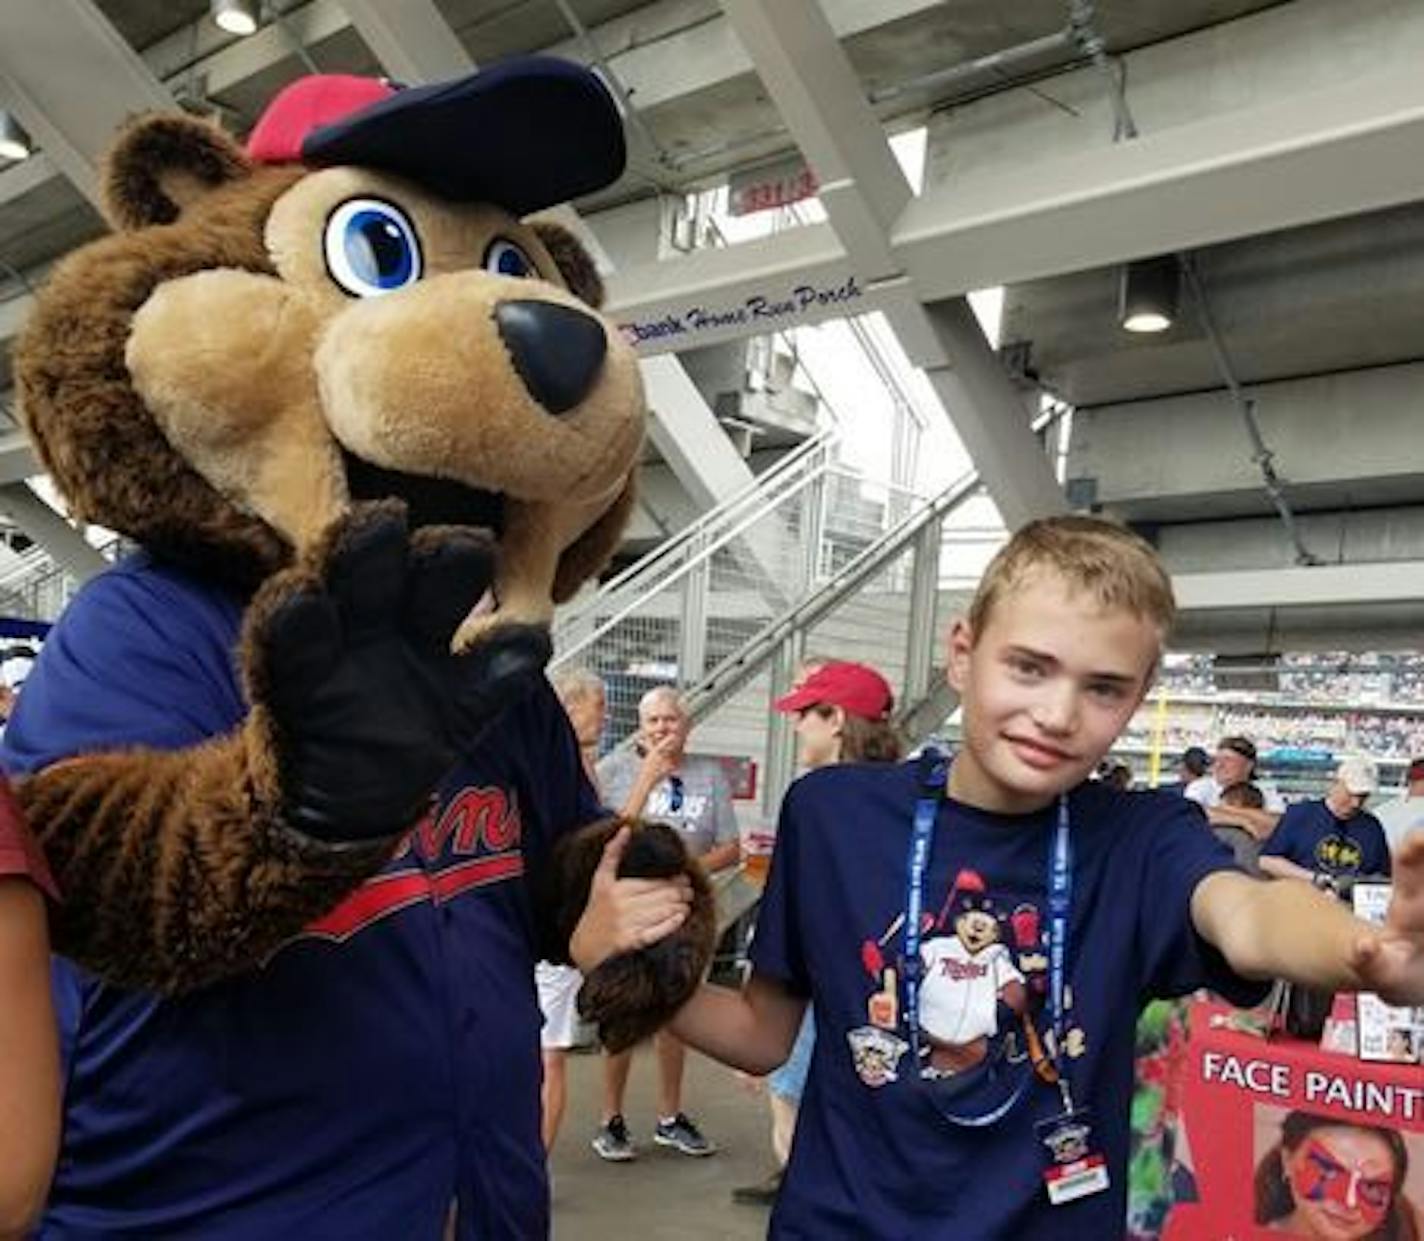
(659, 780)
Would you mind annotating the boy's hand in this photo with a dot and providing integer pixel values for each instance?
(623, 915)
(1390, 959)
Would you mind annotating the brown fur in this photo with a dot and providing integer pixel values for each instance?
(170, 378)
(575, 263)
(631, 995)
(90, 428)
(160, 164)
(175, 868)
(586, 557)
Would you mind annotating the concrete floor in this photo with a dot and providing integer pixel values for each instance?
(661, 1195)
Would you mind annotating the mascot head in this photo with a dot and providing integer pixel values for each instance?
(352, 308)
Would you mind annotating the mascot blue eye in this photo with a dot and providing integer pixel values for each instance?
(504, 258)
(371, 248)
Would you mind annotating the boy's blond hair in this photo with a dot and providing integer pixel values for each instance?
(1107, 561)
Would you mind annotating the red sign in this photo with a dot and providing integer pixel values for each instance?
(765, 189)
(1283, 1139)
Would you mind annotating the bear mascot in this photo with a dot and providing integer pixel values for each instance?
(312, 805)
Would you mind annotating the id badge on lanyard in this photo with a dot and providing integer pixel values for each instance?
(1075, 1168)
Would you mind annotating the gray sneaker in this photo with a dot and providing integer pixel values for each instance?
(682, 1135)
(612, 1142)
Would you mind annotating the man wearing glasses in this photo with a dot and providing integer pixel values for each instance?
(659, 780)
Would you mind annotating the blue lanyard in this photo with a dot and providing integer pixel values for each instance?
(934, 775)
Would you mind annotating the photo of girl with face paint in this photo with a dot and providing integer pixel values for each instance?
(1335, 1181)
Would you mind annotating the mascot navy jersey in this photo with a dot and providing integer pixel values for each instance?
(374, 1069)
(883, 1146)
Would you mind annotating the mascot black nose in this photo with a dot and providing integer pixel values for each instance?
(558, 351)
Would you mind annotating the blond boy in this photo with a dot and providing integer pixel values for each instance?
(1025, 1135)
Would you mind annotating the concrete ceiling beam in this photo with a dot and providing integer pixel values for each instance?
(65, 544)
(1360, 583)
(1314, 155)
(17, 458)
(806, 72)
(73, 126)
(410, 38)
(808, 75)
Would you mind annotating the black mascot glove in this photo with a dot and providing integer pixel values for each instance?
(350, 656)
(631, 995)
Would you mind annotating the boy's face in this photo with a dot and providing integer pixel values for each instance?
(1047, 686)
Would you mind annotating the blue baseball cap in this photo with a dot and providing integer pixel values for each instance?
(525, 133)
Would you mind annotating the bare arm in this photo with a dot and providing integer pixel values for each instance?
(752, 1029)
(1283, 930)
(1260, 823)
(1284, 868)
(29, 1059)
(718, 857)
(727, 849)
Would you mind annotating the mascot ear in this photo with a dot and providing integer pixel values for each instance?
(575, 264)
(163, 163)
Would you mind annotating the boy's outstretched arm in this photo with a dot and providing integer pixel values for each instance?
(752, 1029)
(1292, 931)
(29, 1059)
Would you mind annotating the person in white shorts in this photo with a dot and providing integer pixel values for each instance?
(582, 695)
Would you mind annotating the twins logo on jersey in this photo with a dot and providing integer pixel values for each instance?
(474, 841)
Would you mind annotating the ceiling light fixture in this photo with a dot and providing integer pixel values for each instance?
(235, 16)
(1147, 294)
(14, 141)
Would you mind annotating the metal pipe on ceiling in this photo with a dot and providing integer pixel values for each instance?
(998, 63)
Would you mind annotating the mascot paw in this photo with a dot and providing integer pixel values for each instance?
(632, 995)
(349, 665)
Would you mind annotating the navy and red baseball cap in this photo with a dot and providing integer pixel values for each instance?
(856, 688)
(525, 133)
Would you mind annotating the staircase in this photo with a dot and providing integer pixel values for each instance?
(813, 558)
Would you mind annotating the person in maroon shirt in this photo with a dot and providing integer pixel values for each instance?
(29, 1044)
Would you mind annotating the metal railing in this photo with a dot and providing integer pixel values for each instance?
(815, 558)
(35, 587)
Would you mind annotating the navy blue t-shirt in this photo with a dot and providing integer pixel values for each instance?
(1310, 835)
(377, 1067)
(873, 1157)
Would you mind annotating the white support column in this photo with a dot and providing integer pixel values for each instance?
(66, 546)
(17, 458)
(69, 77)
(990, 418)
(920, 638)
(411, 39)
(780, 740)
(806, 72)
(805, 69)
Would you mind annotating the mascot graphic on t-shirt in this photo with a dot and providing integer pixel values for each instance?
(972, 988)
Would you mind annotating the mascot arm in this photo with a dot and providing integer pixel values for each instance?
(183, 866)
(176, 867)
(633, 994)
